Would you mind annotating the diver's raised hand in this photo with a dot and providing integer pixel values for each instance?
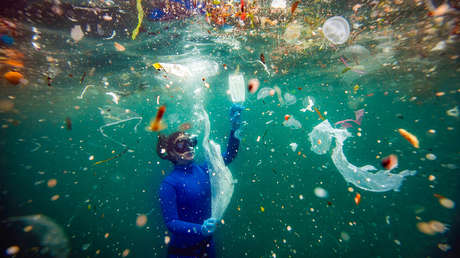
(208, 227)
(235, 115)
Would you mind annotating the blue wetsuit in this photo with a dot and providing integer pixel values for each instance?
(185, 198)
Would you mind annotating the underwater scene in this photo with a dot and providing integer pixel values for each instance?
(229, 128)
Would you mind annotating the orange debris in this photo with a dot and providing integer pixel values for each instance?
(409, 137)
(357, 198)
(13, 77)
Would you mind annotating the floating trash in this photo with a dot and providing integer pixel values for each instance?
(264, 92)
(336, 29)
(390, 162)
(445, 202)
(320, 192)
(412, 139)
(453, 112)
(289, 99)
(253, 85)
(430, 156)
(363, 177)
(292, 123)
(308, 103)
(237, 87)
(293, 146)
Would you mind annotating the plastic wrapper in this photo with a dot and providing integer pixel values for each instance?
(362, 177)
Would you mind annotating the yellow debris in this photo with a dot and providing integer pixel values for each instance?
(157, 66)
(140, 17)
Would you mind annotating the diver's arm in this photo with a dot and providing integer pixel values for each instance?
(169, 208)
(233, 141)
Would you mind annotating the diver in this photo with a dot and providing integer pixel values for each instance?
(185, 194)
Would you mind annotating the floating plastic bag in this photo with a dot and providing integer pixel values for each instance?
(264, 92)
(289, 99)
(222, 183)
(237, 87)
(336, 29)
(362, 177)
(176, 69)
(292, 123)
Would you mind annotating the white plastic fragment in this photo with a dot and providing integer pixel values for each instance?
(76, 33)
(320, 192)
(440, 46)
(453, 112)
(363, 177)
(293, 146)
(308, 102)
(115, 97)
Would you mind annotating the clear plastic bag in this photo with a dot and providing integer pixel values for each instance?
(362, 177)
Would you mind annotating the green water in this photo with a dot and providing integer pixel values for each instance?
(273, 211)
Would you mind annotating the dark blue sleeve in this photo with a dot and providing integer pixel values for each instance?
(169, 208)
(232, 148)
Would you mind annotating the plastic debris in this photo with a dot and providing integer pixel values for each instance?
(237, 87)
(292, 123)
(278, 4)
(430, 156)
(412, 139)
(292, 33)
(362, 177)
(293, 146)
(358, 118)
(13, 77)
(119, 47)
(289, 99)
(140, 17)
(320, 192)
(222, 183)
(432, 227)
(253, 85)
(308, 102)
(453, 112)
(176, 69)
(76, 33)
(390, 162)
(158, 124)
(357, 198)
(336, 29)
(264, 92)
(445, 202)
(115, 97)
